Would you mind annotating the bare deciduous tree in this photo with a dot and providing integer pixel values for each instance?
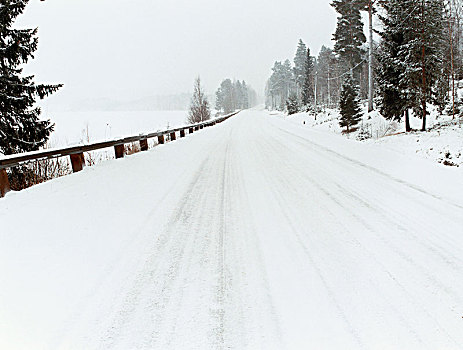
(199, 108)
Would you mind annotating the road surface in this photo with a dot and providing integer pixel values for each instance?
(253, 234)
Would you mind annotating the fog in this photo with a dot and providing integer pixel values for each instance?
(129, 49)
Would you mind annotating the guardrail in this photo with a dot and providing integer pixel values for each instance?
(76, 153)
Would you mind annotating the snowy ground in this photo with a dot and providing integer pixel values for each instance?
(442, 143)
(255, 233)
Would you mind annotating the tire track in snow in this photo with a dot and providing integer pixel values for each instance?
(372, 169)
(415, 229)
(297, 171)
(172, 251)
(270, 179)
(235, 324)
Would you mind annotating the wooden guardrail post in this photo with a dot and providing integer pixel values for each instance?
(143, 145)
(201, 126)
(182, 133)
(77, 162)
(4, 183)
(196, 128)
(119, 151)
(173, 137)
(161, 139)
(191, 130)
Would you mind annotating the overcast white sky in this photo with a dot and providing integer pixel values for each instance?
(137, 48)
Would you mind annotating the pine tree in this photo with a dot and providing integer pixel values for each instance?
(308, 95)
(349, 36)
(281, 84)
(21, 130)
(228, 102)
(199, 108)
(288, 78)
(300, 64)
(238, 93)
(422, 53)
(351, 112)
(326, 69)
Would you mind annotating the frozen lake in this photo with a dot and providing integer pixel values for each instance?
(78, 127)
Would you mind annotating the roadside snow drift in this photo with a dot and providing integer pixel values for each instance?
(256, 233)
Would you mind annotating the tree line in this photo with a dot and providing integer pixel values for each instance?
(415, 63)
(231, 96)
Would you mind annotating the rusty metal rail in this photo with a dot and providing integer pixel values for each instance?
(76, 153)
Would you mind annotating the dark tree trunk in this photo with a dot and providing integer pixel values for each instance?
(407, 121)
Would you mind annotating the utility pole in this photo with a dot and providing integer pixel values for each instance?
(370, 58)
(329, 87)
(316, 83)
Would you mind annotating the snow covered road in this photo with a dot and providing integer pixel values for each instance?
(253, 234)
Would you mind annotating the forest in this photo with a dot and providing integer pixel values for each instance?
(395, 56)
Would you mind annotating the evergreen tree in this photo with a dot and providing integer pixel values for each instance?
(300, 64)
(241, 95)
(308, 95)
(21, 130)
(288, 77)
(219, 100)
(394, 103)
(292, 104)
(228, 102)
(280, 84)
(231, 96)
(199, 108)
(411, 57)
(349, 36)
(351, 112)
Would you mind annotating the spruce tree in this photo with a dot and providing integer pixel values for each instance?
(349, 36)
(411, 57)
(292, 104)
(351, 112)
(394, 103)
(219, 100)
(308, 87)
(21, 130)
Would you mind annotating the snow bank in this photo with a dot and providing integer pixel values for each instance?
(441, 143)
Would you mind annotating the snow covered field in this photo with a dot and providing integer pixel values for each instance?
(78, 127)
(255, 233)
